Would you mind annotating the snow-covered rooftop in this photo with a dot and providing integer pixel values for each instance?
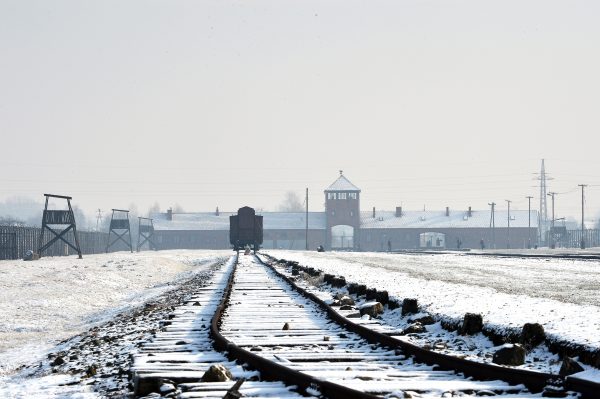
(317, 220)
(342, 184)
(438, 219)
(212, 221)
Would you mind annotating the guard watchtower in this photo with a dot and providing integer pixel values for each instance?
(119, 226)
(145, 233)
(342, 206)
(53, 217)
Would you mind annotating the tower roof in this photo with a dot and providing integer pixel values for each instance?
(342, 184)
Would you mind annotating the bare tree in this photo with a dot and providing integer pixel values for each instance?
(11, 221)
(155, 208)
(178, 208)
(22, 210)
(80, 219)
(291, 203)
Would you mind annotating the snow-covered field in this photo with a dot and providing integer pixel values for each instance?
(562, 295)
(45, 301)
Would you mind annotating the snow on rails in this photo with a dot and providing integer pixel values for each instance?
(274, 331)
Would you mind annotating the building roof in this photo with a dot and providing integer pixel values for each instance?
(210, 221)
(317, 220)
(342, 184)
(439, 220)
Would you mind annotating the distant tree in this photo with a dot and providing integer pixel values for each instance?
(11, 221)
(23, 209)
(155, 208)
(80, 219)
(291, 203)
(133, 223)
(178, 208)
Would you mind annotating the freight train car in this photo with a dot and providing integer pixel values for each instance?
(246, 229)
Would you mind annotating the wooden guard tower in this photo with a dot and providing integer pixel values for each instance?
(119, 227)
(58, 218)
(145, 233)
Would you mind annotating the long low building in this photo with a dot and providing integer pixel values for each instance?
(343, 226)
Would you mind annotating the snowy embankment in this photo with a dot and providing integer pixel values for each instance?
(508, 292)
(45, 301)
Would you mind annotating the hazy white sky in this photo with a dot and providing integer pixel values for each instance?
(228, 103)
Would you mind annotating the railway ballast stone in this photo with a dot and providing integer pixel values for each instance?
(58, 361)
(410, 306)
(217, 373)
(510, 355)
(532, 335)
(372, 309)
(415, 328)
(569, 366)
(425, 320)
(167, 388)
(346, 300)
(472, 324)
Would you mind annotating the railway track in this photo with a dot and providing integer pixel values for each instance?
(174, 362)
(288, 336)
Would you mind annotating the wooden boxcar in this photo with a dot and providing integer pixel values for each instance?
(246, 229)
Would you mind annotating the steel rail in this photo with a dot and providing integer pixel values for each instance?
(535, 381)
(270, 370)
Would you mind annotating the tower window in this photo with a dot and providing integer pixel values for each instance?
(342, 196)
(352, 195)
(330, 196)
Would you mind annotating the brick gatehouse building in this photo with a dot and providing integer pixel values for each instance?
(343, 226)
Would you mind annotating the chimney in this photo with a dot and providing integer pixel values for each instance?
(447, 211)
(398, 211)
(373, 212)
(170, 214)
(469, 212)
(217, 212)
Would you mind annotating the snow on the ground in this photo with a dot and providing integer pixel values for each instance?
(509, 292)
(45, 301)
(49, 386)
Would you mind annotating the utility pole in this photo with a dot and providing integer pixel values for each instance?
(508, 229)
(552, 243)
(493, 224)
(529, 197)
(98, 217)
(582, 214)
(543, 214)
(306, 239)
